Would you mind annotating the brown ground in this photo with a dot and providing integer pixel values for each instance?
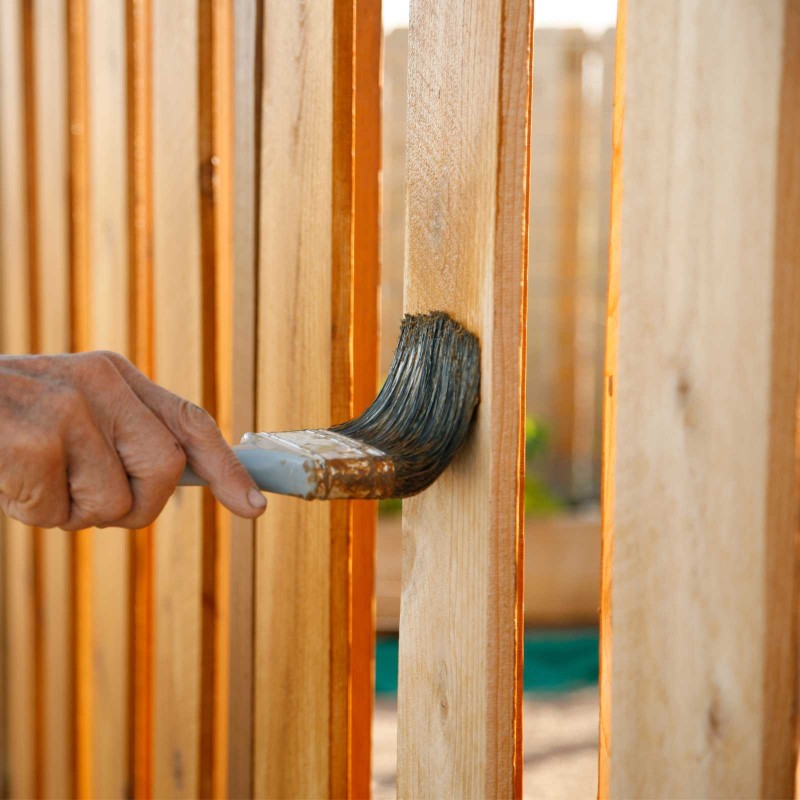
(559, 745)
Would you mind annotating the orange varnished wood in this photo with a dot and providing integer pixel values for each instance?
(140, 276)
(215, 132)
(80, 316)
(366, 286)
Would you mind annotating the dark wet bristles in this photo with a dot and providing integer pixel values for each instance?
(423, 412)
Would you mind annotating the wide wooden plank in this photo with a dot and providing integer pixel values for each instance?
(178, 365)
(108, 329)
(461, 611)
(246, 99)
(366, 343)
(18, 683)
(301, 739)
(701, 498)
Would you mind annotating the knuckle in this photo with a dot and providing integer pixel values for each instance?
(171, 463)
(196, 421)
(33, 511)
(115, 504)
(67, 402)
(101, 369)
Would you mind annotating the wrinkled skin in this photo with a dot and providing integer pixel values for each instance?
(87, 440)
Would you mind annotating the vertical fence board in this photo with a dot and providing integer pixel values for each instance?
(79, 235)
(460, 623)
(178, 352)
(215, 154)
(139, 160)
(54, 668)
(108, 323)
(18, 686)
(366, 343)
(302, 559)
(247, 42)
(698, 607)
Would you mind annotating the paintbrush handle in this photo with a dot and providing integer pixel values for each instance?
(274, 470)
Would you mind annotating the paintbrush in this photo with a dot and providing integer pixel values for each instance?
(400, 444)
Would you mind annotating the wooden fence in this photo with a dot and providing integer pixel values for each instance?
(195, 184)
(568, 242)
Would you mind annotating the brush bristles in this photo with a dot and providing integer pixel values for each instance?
(422, 413)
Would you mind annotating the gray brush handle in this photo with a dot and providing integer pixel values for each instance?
(274, 470)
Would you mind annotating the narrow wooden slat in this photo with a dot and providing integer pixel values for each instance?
(701, 496)
(215, 155)
(178, 359)
(460, 620)
(52, 571)
(301, 736)
(18, 686)
(139, 155)
(108, 327)
(366, 343)
(80, 340)
(246, 98)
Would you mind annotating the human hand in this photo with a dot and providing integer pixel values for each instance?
(87, 440)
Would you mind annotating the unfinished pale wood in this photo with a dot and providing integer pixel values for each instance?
(701, 498)
(178, 353)
(460, 619)
(108, 325)
(247, 59)
(50, 227)
(301, 736)
(18, 684)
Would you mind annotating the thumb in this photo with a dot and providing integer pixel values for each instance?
(207, 452)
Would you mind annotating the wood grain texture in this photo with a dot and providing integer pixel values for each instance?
(52, 574)
(18, 686)
(79, 234)
(366, 344)
(139, 160)
(108, 327)
(460, 619)
(215, 157)
(701, 493)
(178, 365)
(247, 23)
(304, 380)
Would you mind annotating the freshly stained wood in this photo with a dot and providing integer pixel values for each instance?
(108, 326)
(215, 156)
(80, 301)
(366, 342)
(461, 614)
(302, 549)
(698, 680)
(178, 353)
(18, 685)
(139, 154)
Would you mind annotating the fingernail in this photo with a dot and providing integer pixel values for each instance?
(257, 500)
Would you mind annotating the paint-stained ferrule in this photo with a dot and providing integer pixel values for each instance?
(335, 466)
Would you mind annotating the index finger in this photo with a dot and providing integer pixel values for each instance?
(207, 452)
